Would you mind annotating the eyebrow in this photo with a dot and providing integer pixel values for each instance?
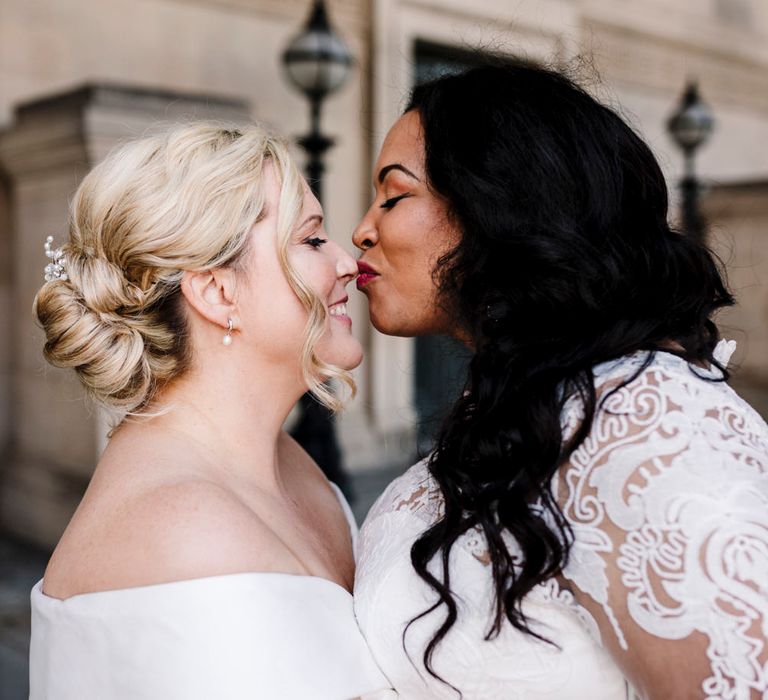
(310, 218)
(395, 166)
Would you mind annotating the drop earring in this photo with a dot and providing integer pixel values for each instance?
(227, 340)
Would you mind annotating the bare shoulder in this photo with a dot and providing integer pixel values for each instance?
(172, 532)
(204, 529)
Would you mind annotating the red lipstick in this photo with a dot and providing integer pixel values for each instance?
(366, 274)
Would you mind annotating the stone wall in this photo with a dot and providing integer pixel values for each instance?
(738, 223)
(56, 434)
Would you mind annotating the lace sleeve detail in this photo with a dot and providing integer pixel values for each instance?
(668, 500)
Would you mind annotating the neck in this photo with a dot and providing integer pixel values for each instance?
(232, 413)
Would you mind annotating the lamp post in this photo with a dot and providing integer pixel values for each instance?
(317, 62)
(690, 126)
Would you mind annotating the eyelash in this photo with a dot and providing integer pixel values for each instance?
(315, 241)
(389, 203)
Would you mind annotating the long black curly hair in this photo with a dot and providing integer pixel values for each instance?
(565, 260)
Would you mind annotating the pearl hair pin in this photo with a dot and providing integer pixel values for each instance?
(227, 340)
(55, 269)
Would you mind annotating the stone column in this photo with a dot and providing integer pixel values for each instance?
(5, 319)
(55, 435)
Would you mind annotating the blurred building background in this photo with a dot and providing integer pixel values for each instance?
(76, 76)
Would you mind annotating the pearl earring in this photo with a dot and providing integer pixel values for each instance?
(227, 340)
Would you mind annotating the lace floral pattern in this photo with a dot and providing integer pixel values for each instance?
(671, 489)
(668, 501)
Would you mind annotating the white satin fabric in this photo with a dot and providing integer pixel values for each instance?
(231, 637)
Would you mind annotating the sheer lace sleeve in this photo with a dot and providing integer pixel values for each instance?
(668, 500)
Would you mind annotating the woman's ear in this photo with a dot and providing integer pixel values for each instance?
(211, 293)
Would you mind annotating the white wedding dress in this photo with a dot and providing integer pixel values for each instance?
(249, 636)
(668, 501)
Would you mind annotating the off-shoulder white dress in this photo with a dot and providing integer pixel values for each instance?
(233, 637)
(668, 501)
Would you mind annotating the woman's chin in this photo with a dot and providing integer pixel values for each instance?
(399, 327)
(352, 361)
(346, 358)
(386, 323)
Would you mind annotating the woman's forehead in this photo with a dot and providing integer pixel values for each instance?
(404, 143)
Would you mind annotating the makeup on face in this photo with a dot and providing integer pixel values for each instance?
(366, 274)
(402, 237)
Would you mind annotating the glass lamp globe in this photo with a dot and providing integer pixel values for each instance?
(692, 124)
(317, 61)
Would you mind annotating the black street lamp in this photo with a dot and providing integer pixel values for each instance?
(690, 126)
(318, 63)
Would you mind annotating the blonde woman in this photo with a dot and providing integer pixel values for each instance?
(209, 558)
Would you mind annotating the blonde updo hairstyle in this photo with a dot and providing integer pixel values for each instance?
(184, 199)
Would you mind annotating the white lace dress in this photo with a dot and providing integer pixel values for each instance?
(667, 582)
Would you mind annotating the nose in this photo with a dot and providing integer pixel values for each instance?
(365, 236)
(346, 266)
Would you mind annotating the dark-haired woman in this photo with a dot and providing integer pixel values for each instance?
(594, 517)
